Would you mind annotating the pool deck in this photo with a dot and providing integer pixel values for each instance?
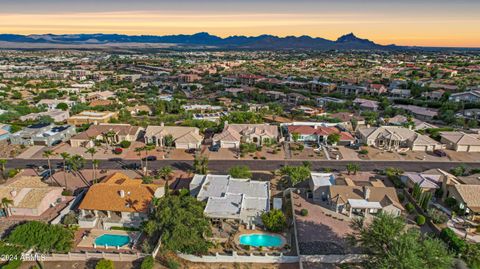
(89, 240)
(247, 232)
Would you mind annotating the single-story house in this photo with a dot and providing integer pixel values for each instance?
(317, 134)
(460, 141)
(43, 134)
(232, 198)
(118, 201)
(396, 138)
(365, 104)
(234, 134)
(183, 137)
(31, 197)
(56, 114)
(363, 200)
(114, 133)
(467, 197)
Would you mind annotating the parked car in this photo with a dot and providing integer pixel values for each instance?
(440, 153)
(214, 148)
(150, 158)
(190, 151)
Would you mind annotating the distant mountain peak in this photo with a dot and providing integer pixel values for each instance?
(349, 38)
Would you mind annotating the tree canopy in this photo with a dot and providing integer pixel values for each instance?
(390, 245)
(240, 171)
(181, 222)
(42, 237)
(296, 174)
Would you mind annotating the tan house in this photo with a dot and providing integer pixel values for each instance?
(31, 197)
(363, 200)
(395, 138)
(467, 197)
(92, 117)
(117, 201)
(460, 141)
(183, 137)
(114, 133)
(233, 134)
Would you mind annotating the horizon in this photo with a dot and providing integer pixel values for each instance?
(430, 23)
(249, 36)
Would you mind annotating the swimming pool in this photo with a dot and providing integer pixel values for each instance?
(261, 240)
(112, 240)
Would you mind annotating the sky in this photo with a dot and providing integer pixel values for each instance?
(451, 23)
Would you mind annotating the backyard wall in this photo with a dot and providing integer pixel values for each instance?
(241, 258)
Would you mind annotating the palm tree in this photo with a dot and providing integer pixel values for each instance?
(139, 150)
(200, 164)
(76, 163)
(92, 152)
(147, 148)
(353, 167)
(48, 154)
(65, 156)
(95, 166)
(3, 162)
(165, 173)
(6, 203)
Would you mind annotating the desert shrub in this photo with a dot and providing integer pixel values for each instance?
(420, 220)
(125, 144)
(147, 263)
(304, 212)
(117, 151)
(409, 207)
(363, 152)
(437, 216)
(454, 242)
(104, 264)
(172, 264)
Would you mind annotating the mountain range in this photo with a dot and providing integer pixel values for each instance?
(345, 42)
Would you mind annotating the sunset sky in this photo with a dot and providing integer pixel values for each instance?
(401, 22)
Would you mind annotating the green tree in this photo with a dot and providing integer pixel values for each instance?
(353, 168)
(274, 220)
(200, 164)
(295, 174)
(104, 264)
(42, 237)
(168, 141)
(295, 137)
(62, 106)
(388, 243)
(181, 221)
(147, 263)
(240, 171)
(333, 138)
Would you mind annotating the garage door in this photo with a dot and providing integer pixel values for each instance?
(225, 144)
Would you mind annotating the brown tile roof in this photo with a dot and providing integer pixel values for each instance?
(383, 195)
(470, 195)
(96, 130)
(107, 195)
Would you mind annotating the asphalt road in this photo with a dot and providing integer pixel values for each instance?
(222, 166)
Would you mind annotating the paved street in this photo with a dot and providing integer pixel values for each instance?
(222, 166)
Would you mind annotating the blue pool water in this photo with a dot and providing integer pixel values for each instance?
(112, 240)
(261, 240)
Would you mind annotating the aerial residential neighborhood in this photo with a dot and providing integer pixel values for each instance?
(239, 134)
